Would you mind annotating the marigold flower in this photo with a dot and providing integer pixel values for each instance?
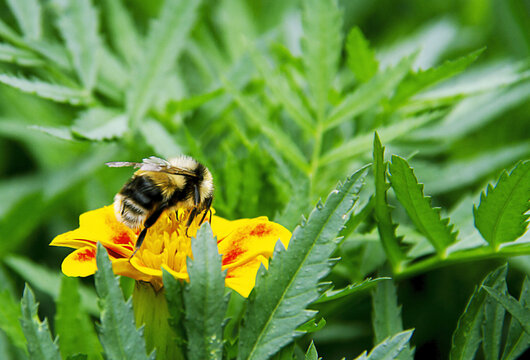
(245, 244)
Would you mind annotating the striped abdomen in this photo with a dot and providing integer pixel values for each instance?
(136, 201)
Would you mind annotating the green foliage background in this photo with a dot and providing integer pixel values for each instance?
(280, 99)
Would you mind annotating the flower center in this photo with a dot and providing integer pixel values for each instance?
(166, 242)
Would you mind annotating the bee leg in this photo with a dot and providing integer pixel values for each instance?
(193, 213)
(148, 223)
(208, 203)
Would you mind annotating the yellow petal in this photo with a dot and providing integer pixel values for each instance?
(251, 238)
(243, 278)
(125, 268)
(222, 227)
(81, 262)
(100, 225)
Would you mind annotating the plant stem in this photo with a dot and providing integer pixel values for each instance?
(151, 310)
(315, 157)
(481, 253)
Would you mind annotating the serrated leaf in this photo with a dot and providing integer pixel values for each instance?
(517, 340)
(467, 335)
(28, 15)
(388, 349)
(415, 82)
(19, 56)
(386, 316)
(361, 58)
(492, 326)
(426, 218)
(204, 298)
(48, 281)
(367, 95)
(167, 37)
(39, 339)
(124, 36)
(9, 320)
(382, 211)
(162, 142)
(312, 326)
(518, 311)
(311, 353)
(100, 124)
(463, 172)
(277, 305)
(321, 44)
(191, 103)
(117, 332)
(362, 143)
(283, 93)
(334, 294)
(502, 214)
(78, 23)
(71, 315)
(58, 93)
(175, 304)
(257, 117)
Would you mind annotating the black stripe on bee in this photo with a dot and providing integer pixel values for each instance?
(132, 207)
(143, 191)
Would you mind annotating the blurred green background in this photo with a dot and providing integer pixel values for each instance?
(203, 91)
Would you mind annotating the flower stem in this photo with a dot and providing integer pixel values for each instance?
(151, 310)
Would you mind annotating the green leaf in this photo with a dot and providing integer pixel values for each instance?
(351, 289)
(361, 144)
(58, 93)
(123, 34)
(386, 315)
(312, 326)
(501, 216)
(100, 123)
(517, 340)
(467, 336)
(118, 334)
(39, 339)
(321, 44)
(361, 58)
(204, 298)
(426, 218)
(162, 142)
(167, 37)
(382, 211)
(175, 305)
(492, 326)
(369, 94)
(311, 353)
(389, 348)
(518, 311)
(415, 82)
(192, 103)
(9, 319)
(277, 306)
(283, 93)
(28, 15)
(257, 117)
(475, 112)
(19, 56)
(48, 281)
(78, 23)
(71, 315)
(444, 178)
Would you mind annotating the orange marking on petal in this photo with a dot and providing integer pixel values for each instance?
(85, 255)
(261, 230)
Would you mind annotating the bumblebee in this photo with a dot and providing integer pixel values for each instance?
(180, 183)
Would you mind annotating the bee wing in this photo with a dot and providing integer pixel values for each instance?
(155, 164)
(160, 165)
(123, 164)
